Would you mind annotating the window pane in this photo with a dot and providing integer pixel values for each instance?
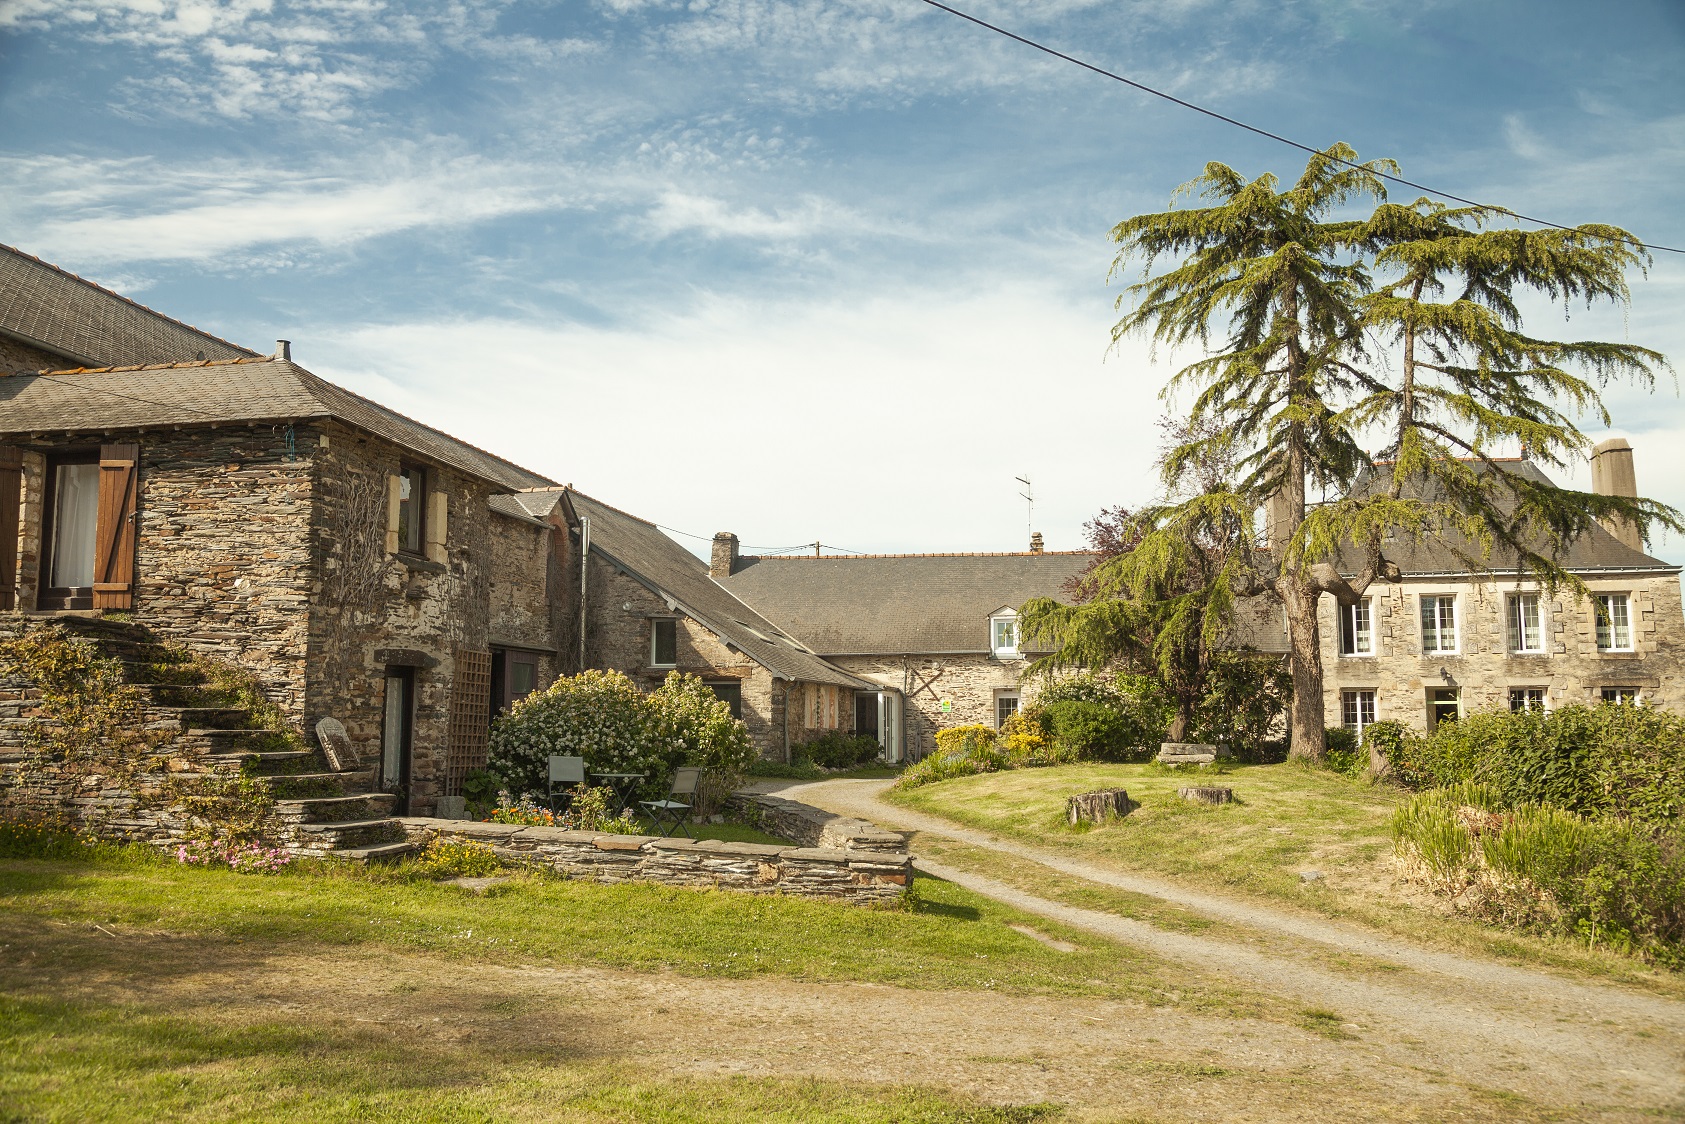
(523, 678)
(1360, 627)
(75, 522)
(1622, 625)
(1439, 624)
(666, 652)
(409, 510)
(1005, 707)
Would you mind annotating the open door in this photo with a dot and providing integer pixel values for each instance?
(889, 725)
(395, 735)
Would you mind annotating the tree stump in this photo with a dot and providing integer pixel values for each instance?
(1092, 807)
(1206, 794)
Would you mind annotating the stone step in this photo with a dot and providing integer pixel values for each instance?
(217, 741)
(200, 717)
(279, 763)
(383, 853)
(336, 809)
(349, 833)
(353, 783)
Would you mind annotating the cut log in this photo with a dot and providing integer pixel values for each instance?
(1206, 794)
(1093, 807)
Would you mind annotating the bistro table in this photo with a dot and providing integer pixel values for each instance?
(623, 785)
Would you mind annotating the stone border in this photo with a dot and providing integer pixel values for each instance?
(813, 827)
(859, 877)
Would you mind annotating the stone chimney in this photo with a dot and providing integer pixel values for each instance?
(1035, 543)
(283, 349)
(725, 555)
(1612, 475)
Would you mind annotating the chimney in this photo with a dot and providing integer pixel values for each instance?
(1035, 543)
(725, 555)
(283, 349)
(1612, 475)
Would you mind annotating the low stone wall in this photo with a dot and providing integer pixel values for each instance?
(812, 827)
(857, 877)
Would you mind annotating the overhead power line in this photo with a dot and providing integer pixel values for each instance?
(1104, 73)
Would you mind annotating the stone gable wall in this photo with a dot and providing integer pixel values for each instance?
(15, 355)
(1484, 670)
(970, 682)
(522, 571)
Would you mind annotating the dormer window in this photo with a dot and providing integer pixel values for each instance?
(1003, 634)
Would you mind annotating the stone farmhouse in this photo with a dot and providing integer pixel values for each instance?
(1445, 641)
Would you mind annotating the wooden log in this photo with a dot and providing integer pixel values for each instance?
(1093, 807)
(1206, 794)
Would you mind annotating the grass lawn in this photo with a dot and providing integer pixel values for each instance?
(1285, 819)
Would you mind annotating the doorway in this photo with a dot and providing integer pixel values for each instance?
(396, 733)
(70, 531)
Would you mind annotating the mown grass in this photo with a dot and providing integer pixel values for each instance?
(1286, 819)
(943, 937)
(76, 1061)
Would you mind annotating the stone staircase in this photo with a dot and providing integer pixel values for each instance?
(318, 813)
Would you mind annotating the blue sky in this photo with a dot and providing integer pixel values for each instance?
(798, 269)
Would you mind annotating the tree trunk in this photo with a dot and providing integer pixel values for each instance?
(1306, 730)
(1178, 728)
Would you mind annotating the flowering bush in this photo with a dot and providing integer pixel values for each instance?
(455, 858)
(602, 717)
(243, 858)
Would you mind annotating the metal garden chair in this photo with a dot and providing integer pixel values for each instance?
(672, 812)
(566, 775)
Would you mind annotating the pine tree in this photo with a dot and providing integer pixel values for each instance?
(1284, 290)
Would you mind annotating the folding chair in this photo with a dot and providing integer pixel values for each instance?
(673, 812)
(568, 773)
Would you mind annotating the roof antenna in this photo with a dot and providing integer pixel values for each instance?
(1029, 495)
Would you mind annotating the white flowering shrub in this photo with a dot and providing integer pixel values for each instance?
(603, 717)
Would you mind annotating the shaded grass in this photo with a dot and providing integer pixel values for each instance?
(944, 937)
(70, 1061)
(1286, 818)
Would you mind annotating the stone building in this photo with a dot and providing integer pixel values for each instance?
(935, 635)
(1446, 641)
(650, 608)
(350, 558)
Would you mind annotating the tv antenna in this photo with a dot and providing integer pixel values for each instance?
(1029, 494)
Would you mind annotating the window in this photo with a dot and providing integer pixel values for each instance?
(732, 694)
(1525, 633)
(1619, 695)
(412, 508)
(1439, 623)
(1614, 622)
(1357, 710)
(1445, 704)
(73, 519)
(1003, 635)
(1005, 707)
(663, 643)
(1523, 699)
(1357, 632)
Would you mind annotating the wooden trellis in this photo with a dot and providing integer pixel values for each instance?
(470, 717)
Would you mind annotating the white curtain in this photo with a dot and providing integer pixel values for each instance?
(75, 520)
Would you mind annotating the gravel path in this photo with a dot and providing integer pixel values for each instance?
(1482, 1018)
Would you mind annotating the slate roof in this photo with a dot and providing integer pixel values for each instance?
(508, 505)
(233, 391)
(1596, 551)
(51, 308)
(899, 604)
(673, 572)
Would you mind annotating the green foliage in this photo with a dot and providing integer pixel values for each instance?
(1246, 694)
(44, 839)
(963, 751)
(1604, 760)
(837, 750)
(603, 717)
(1343, 754)
(1605, 880)
(1093, 731)
(457, 858)
(479, 790)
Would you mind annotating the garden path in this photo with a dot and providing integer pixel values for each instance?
(1483, 1020)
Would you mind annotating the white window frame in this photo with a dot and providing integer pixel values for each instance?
(1348, 619)
(1544, 699)
(1637, 693)
(1015, 696)
(1439, 630)
(1515, 636)
(1352, 717)
(654, 642)
(995, 622)
(1607, 601)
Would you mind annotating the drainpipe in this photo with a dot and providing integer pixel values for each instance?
(787, 721)
(584, 580)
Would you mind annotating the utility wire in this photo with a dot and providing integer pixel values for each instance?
(1263, 132)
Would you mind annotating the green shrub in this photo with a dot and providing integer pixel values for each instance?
(1246, 694)
(458, 858)
(837, 750)
(1095, 731)
(1103, 718)
(1605, 760)
(1343, 754)
(603, 717)
(963, 751)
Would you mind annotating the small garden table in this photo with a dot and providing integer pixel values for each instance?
(623, 785)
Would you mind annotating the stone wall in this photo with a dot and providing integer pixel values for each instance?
(812, 827)
(857, 877)
(970, 683)
(1484, 670)
(522, 571)
(18, 356)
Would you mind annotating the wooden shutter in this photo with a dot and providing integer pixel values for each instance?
(11, 502)
(438, 513)
(394, 488)
(114, 560)
(470, 719)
